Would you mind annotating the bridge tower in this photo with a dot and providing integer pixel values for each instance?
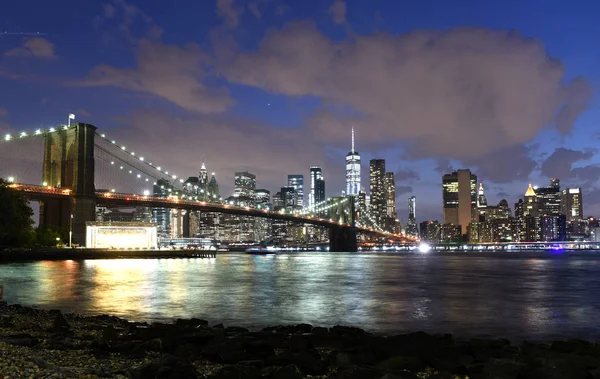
(343, 238)
(69, 163)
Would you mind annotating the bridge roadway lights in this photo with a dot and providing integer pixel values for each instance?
(342, 239)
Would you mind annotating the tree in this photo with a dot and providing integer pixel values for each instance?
(46, 237)
(15, 217)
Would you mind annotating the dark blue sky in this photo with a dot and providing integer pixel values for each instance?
(273, 86)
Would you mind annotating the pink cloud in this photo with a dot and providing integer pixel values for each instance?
(37, 47)
(461, 93)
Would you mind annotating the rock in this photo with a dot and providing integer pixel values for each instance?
(502, 369)
(347, 331)
(298, 342)
(60, 324)
(191, 323)
(21, 340)
(256, 363)
(287, 372)
(594, 374)
(309, 362)
(358, 373)
(109, 334)
(219, 326)
(41, 363)
(235, 330)
(401, 362)
(167, 367)
(575, 346)
(236, 372)
(319, 330)
(152, 345)
(303, 328)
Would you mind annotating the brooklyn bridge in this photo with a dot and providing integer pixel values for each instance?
(77, 160)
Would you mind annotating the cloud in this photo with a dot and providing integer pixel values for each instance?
(36, 47)
(338, 11)
(560, 163)
(586, 176)
(174, 73)
(401, 190)
(227, 10)
(503, 166)
(253, 8)
(184, 141)
(444, 166)
(81, 112)
(130, 21)
(460, 94)
(406, 174)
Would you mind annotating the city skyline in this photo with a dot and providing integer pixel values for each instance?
(274, 128)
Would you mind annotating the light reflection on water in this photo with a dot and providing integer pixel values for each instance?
(534, 295)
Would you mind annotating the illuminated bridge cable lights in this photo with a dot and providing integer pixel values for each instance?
(140, 158)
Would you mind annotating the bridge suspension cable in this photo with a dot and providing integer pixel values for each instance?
(139, 158)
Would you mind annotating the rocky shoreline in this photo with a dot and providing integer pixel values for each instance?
(36, 343)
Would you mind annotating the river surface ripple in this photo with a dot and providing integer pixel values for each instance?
(511, 295)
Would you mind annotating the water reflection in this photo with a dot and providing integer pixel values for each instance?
(535, 295)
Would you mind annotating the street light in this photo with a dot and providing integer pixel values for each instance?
(71, 231)
(71, 117)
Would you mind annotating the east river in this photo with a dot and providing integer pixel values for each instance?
(513, 295)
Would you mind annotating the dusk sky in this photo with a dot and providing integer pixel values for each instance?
(505, 88)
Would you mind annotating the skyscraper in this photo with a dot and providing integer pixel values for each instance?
(391, 215)
(317, 186)
(548, 198)
(459, 193)
(572, 204)
(297, 182)
(245, 185)
(377, 189)
(352, 171)
(411, 224)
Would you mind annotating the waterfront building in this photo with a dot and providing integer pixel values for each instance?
(297, 183)
(317, 186)
(430, 231)
(352, 171)
(451, 233)
(459, 194)
(411, 224)
(289, 198)
(377, 190)
(549, 198)
(162, 216)
(553, 228)
(262, 225)
(572, 204)
(245, 184)
(391, 223)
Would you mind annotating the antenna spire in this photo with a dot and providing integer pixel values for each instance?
(352, 139)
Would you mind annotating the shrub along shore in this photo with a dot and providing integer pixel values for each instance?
(36, 343)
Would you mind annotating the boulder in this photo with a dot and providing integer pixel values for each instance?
(191, 323)
(358, 373)
(236, 372)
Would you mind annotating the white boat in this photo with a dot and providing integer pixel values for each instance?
(261, 250)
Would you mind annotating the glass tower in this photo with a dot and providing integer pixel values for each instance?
(352, 171)
(297, 182)
(317, 186)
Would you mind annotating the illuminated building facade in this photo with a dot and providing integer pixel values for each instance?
(297, 183)
(549, 198)
(317, 186)
(245, 184)
(572, 204)
(162, 216)
(411, 224)
(553, 228)
(430, 231)
(262, 226)
(459, 194)
(391, 223)
(121, 235)
(377, 190)
(352, 171)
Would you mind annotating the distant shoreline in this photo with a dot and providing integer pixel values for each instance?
(81, 254)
